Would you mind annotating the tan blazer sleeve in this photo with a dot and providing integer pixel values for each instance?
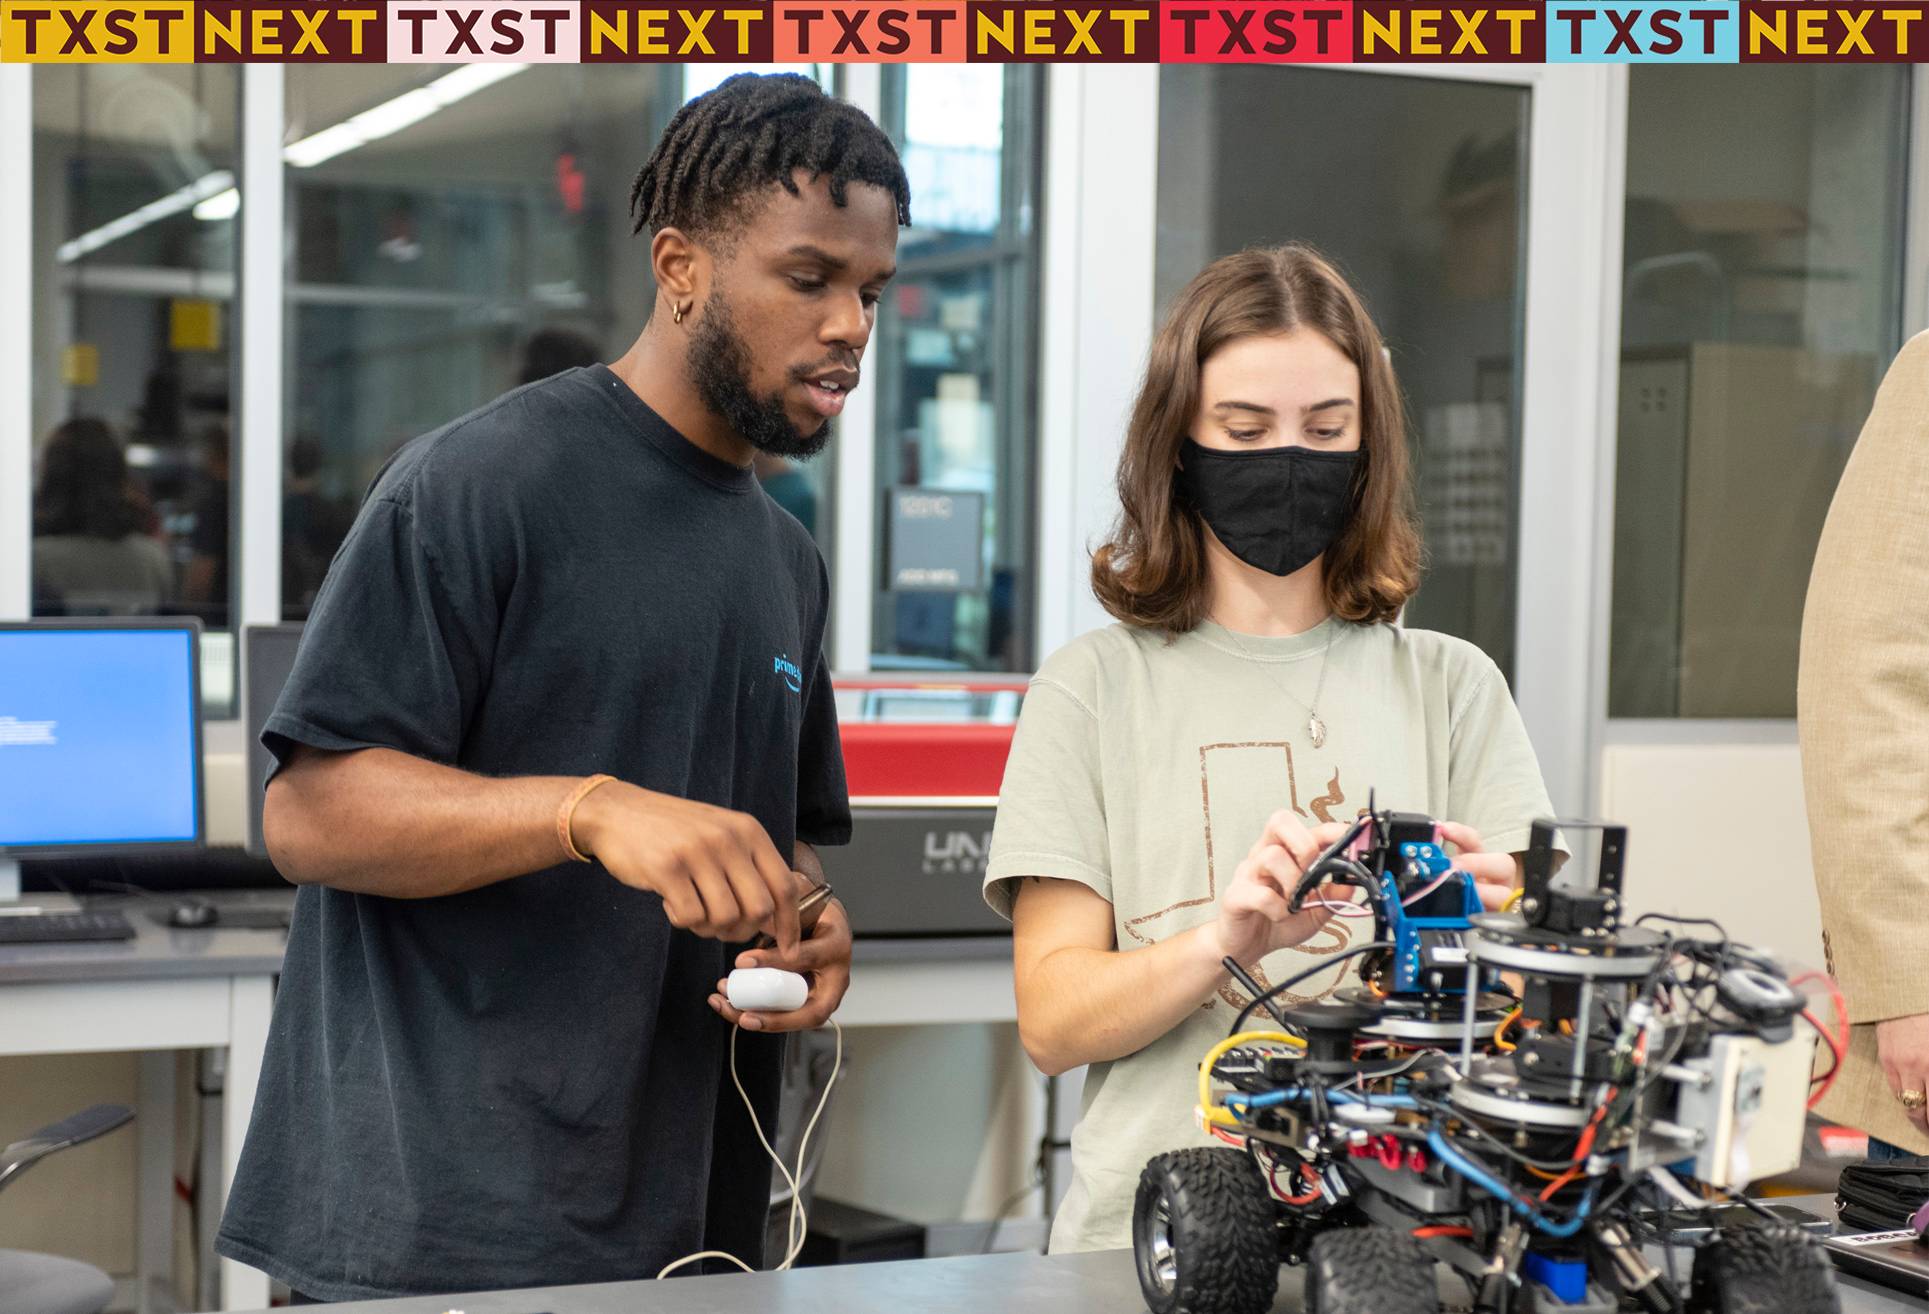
(1863, 706)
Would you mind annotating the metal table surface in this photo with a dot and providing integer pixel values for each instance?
(1098, 1283)
(157, 952)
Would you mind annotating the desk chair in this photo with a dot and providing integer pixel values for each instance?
(47, 1284)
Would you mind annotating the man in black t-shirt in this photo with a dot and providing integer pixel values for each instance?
(492, 1065)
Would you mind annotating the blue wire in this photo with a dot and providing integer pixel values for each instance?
(1266, 1099)
(1443, 1151)
(1500, 1190)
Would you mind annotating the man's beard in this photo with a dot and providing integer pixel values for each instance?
(721, 361)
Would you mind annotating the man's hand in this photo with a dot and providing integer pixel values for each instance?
(1902, 1043)
(825, 961)
(716, 870)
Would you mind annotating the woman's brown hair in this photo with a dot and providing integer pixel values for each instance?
(1151, 571)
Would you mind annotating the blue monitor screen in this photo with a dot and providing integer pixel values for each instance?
(98, 738)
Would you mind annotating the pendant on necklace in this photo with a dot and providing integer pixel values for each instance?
(1316, 730)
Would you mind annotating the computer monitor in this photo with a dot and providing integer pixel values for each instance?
(100, 737)
(267, 656)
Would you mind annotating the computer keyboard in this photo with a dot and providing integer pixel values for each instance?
(64, 927)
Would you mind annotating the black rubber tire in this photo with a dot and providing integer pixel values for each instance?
(1370, 1270)
(1772, 1268)
(1219, 1220)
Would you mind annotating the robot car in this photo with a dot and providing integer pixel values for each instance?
(1540, 1100)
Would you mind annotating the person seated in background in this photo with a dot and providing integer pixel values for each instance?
(1862, 707)
(313, 525)
(205, 583)
(92, 555)
(550, 351)
(1256, 692)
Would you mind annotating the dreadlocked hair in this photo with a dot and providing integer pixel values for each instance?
(753, 130)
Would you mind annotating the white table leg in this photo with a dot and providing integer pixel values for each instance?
(253, 1003)
(154, 1262)
(211, 1067)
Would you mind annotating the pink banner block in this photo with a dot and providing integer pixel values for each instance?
(536, 33)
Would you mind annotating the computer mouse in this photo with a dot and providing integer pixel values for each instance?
(193, 914)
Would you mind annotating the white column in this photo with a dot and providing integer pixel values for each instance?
(259, 332)
(16, 361)
(1577, 169)
(16, 365)
(855, 569)
(1101, 203)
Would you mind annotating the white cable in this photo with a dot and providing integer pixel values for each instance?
(1339, 908)
(1672, 1188)
(799, 1225)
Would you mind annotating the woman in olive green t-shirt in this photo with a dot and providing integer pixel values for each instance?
(1173, 772)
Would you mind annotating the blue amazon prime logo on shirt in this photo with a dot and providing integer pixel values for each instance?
(793, 678)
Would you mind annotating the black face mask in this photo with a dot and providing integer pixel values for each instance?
(1276, 509)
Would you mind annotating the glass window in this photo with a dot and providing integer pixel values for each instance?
(438, 263)
(132, 354)
(440, 260)
(1761, 302)
(956, 374)
(1432, 237)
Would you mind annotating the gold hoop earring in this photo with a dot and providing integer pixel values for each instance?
(676, 314)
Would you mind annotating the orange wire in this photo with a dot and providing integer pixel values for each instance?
(1558, 1183)
(1581, 1148)
(1424, 1232)
(1306, 1171)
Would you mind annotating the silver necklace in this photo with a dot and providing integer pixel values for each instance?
(1315, 727)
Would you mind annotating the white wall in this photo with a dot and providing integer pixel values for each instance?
(932, 1123)
(1719, 830)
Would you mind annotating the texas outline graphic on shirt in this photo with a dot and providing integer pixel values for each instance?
(1330, 939)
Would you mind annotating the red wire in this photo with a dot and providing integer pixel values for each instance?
(1558, 1183)
(1581, 1148)
(1306, 1170)
(1838, 1043)
(1424, 1232)
(1835, 1047)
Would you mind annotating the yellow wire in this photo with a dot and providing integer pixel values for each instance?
(1213, 1114)
(1501, 1043)
(1513, 900)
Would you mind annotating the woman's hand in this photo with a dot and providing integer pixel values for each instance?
(1254, 917)
(1495, 874)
